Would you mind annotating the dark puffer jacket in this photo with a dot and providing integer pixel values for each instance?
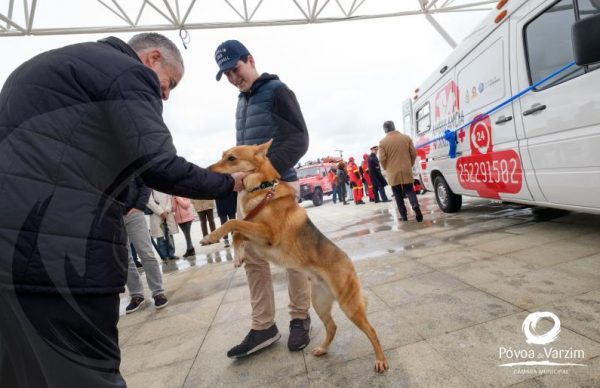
(76, 125)
(270, 110)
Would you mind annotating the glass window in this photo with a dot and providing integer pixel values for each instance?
(423, 119)
(588, 8)
(308, 171)
(549, 47)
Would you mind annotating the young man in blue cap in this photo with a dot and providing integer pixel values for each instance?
(275, 114)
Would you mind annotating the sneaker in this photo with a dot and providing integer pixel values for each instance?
(174, 258)
(403, 217)
(160, 301)
(227, 243)
(255, 341)
(299, 330)
(419, 214)
(136, 303)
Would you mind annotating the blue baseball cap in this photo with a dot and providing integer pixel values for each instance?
(228, 54)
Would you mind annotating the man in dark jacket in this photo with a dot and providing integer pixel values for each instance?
(76, 125)
(377, 179)
(268, 109)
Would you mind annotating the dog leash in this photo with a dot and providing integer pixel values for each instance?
(262, 204)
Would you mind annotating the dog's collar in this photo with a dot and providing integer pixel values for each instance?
(265, 185)
(262, 203)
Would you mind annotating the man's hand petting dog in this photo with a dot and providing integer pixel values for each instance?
(239, 180)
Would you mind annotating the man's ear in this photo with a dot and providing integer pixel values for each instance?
(152, 58)
(263, 148)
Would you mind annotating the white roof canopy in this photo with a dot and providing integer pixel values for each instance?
(59, 17)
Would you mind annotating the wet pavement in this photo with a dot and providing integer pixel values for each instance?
(448, 298)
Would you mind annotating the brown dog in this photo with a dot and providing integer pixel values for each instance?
(279, 229)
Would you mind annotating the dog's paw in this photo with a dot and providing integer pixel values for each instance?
(319, 351)
(209, 239)
(381, 365)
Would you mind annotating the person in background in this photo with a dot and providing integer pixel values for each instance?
(136, 226)
(377, 177)
(342, 180)
(366, 178)
(184, 215)
(332, 176)
(77, 124)
(226, 209)
(355, 181)
(397, 156)
(206, 215)
(162, 223)
(268, 109)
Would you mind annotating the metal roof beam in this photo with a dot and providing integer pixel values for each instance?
(171, 12)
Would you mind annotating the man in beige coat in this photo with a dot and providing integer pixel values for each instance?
(397, 155)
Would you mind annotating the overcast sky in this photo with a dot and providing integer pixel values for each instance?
(349, 77)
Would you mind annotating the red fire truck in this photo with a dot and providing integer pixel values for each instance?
(313, 180)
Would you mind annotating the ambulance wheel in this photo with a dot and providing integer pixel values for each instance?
(317, 197)
(446, 199)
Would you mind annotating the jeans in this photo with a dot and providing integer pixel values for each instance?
(137, 231)
(335, 193)
(166, 249)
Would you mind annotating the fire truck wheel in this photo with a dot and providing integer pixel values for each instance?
(446, 199)
(317, 197)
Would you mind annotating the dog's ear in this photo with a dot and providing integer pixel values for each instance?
(263, 148)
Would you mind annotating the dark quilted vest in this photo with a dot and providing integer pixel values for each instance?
(254, 122)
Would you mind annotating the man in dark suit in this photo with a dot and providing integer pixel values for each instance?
(377, 179)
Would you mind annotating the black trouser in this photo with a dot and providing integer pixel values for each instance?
(50, 340)
(186, 228)
(224, 218)
(399, 191)
(206, 216)
(380, 194)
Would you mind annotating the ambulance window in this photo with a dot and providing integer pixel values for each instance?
(548, 42)
(588, 8)
(423, 119)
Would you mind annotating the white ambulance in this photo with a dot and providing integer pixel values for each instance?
(543, 147)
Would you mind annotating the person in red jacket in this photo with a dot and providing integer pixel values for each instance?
(364, 170)
(355, 181)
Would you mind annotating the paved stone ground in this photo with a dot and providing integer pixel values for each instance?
(446, 296)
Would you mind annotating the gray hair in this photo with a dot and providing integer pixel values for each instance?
(151, 40)
(388, 126)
